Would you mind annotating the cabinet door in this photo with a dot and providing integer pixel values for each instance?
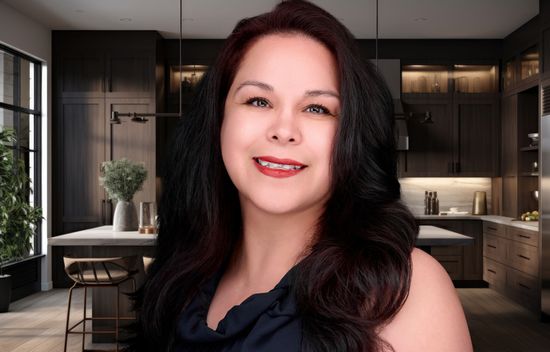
(131, 74)
(134, 141)
(476, 136)
(80, 74)
(430, 144)
(473, 255)
(79, 146)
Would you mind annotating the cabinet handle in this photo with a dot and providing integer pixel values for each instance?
(491, 271)
(524, 257)
(491, 246)
(523, 236)
(524, 286)
(492, 228)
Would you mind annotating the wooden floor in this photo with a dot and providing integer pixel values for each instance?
(36, 324)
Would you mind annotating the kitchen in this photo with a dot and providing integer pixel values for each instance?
(469, 95)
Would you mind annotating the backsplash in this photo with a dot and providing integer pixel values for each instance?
(451, 192)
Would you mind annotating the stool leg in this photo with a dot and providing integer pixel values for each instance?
(117, 314)
(68, 316)
(84, 321)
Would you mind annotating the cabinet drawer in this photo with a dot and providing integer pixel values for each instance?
(494, 229)
(523, 236)
(494, 273)
(523, 288)
(495, 247)
(524, 257)
(452, 264)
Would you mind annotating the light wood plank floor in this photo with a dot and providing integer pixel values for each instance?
(36, 324)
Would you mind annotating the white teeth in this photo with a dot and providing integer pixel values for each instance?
(278, 166)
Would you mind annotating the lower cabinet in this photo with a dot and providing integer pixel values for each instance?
(464, 264)
(511, 263)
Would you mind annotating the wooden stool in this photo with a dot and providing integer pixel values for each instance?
(98, 272)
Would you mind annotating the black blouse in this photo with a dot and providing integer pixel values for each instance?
(264, 322)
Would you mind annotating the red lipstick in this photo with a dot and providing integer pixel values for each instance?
(276, 171)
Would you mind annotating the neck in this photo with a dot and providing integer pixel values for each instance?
(272, 244)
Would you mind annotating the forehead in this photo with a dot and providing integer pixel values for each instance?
(289, 55)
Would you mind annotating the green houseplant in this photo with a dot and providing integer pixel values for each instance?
(122, 179)
(18, 219)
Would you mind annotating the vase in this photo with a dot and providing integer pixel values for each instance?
(125, 217)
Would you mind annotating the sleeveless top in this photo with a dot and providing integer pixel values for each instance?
(264, 322)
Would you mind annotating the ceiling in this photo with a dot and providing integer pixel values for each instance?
(214, 19)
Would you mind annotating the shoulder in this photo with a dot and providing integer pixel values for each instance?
(432, 318)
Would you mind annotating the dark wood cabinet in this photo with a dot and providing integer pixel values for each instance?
(80, 150)
(430, 146)
(475, 136)
(461, 137)
(464, 264)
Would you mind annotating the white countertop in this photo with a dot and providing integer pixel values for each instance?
(104, 236)
(528, 225)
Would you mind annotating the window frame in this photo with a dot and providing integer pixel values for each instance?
(37, 120)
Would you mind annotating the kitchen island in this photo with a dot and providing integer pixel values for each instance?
(104, 242)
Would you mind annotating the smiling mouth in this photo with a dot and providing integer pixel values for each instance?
(278, 166)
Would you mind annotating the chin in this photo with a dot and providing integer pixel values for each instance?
(278, 203)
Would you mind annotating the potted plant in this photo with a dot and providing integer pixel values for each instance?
(18, 219)
(122, 179)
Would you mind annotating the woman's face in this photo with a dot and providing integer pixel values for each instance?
(280, 119)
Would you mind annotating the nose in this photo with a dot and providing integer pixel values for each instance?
(284, 129)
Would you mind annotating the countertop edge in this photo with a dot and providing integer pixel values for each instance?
(526, 225)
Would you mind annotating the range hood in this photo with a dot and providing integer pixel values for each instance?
(401, 132)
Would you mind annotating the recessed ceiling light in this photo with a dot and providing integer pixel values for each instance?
(420, 19)
(126, 19)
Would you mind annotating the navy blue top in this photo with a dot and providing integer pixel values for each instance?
(264, 322)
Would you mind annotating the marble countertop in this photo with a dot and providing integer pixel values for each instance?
(527, 225)
(104, 236)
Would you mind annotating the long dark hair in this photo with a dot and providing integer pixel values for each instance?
(357, 274)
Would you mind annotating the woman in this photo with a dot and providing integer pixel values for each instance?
(281, 226)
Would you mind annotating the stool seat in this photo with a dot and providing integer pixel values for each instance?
(98, 273)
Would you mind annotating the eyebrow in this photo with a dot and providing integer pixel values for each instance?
(267, 87)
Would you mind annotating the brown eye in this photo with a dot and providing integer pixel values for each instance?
(318, 109)
(257, 101)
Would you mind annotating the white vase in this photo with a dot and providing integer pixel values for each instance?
(125, 217)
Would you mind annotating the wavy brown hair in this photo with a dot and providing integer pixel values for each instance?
(357, 274)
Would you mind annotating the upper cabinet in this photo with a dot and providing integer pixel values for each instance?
(521, 72)
(94, 65)
(452, 120)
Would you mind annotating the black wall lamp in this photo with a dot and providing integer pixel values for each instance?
(422, 117)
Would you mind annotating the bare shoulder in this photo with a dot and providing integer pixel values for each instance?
(432, 318)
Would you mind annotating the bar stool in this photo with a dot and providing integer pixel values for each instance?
(98, 273)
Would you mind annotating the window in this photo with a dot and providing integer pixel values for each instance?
(20, 110)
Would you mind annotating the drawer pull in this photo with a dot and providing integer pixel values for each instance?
(524, 286)
(492, 228)
(491, 246)
(491, 271)
(523, 236)
(524, 257)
